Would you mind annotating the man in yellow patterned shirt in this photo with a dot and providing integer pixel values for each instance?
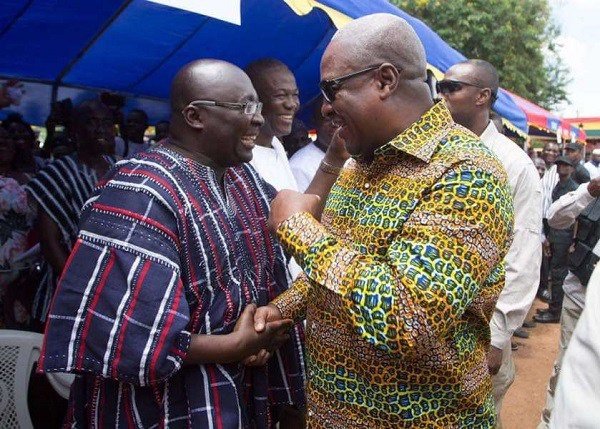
(402, 273)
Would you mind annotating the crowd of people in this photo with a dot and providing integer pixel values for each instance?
(233, 272)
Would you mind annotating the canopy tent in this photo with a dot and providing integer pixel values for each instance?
(70, 49)
(543, 123)
(591, 126)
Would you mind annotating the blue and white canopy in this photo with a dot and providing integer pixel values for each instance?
(67, 48)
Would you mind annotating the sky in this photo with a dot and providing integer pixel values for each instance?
(579, 21)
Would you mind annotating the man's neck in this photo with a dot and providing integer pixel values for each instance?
(264, 139)
(198, 157)
(480, 123)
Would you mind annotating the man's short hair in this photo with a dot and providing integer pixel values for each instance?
(256, 69)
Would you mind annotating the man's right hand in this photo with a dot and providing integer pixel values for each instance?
(252, 341)
(593, 187)
(264, 315)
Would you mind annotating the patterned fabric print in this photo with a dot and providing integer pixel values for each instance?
(162, 254)
(60, 190)
(401, 280)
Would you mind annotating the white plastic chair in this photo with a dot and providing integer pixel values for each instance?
(19, 351)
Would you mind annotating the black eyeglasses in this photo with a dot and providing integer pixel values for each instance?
(249, 108)
(448, 86)
(331, 86)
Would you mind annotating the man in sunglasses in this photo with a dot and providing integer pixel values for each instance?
(402, 273)
(469, 89)
(155, 304)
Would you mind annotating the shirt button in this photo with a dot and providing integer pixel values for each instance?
(367, 185)
(310, 413)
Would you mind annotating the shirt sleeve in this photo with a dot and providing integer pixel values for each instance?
(447, 260)
(120, 309)
(564, 211)
(522, 261)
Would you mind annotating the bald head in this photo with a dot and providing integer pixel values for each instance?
(380, 38)
(481, 72)
(259, 71)
(201, 79)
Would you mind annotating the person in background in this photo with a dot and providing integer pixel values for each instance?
(574, 151)
(277, 90)
(593, 165)
(296, 139)
(577, 397)
(550, 153)
(540, 166)
(560, 241)
(62, 187)
(581, 206)
(161, 131)
(306, 161)
(25, 139)
(132, 140)
(397, 309)
(470, 103)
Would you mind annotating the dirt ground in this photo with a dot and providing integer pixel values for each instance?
(533, 360)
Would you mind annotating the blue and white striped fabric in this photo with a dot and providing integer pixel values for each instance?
(161, 254)
(60, 190)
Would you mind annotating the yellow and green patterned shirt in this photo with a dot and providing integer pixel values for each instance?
(400, 281)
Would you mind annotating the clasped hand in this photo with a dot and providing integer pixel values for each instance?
(258, 344)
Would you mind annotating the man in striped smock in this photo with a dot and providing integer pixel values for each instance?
(155, 307)
(62, 188)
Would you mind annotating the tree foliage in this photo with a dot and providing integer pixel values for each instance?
(517, 36)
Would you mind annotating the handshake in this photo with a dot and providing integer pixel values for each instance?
(260, 331)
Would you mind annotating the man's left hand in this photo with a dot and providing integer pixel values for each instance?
(287, 203)
(494, 360)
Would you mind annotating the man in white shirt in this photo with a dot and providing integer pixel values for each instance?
(133, 135)
(306, 161)
(276, 87)
(277, 90)
(470, 89)
(562, 214)
(593, 165)
(577, 399)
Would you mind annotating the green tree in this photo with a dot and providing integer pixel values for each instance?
(517, 36)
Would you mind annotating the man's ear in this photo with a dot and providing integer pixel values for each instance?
(484, 97)
(194, 117)
(388, 77)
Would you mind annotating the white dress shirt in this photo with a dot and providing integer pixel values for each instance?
(549, 181)
(592, 169)
(524, 256)
(305, 163)
(273, 165)
(577, 398)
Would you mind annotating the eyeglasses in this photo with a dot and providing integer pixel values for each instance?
(249, 108)
(331, 86)
(448, 86)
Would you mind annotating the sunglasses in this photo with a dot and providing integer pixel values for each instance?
(249, 108)
(448, 86)
(331, 86)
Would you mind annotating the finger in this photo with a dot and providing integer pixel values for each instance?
(249, 360)
(280, 325)
(260, 319)
(263, 357)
